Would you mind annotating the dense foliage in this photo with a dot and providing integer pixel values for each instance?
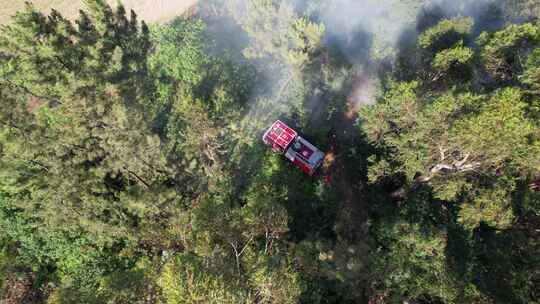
(131, 167)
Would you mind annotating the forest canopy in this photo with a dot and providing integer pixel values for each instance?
(132, 168)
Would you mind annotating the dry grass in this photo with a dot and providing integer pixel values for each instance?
(148, 10)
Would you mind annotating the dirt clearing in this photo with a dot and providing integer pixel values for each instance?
(148, 10)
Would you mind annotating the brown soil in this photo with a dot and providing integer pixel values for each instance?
(147, 10)
(353, 213)
(351, 224)
(19, 290)
(158, 10)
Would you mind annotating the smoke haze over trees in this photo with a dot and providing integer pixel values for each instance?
(132, 170)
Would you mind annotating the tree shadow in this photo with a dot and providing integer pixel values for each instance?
(488, 15)
(507, 267)
(222, 32)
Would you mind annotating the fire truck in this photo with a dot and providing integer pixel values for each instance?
(286, 141)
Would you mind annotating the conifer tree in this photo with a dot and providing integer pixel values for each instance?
(77, 121)
(472, 149)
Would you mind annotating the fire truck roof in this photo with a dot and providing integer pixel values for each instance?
(279, 134)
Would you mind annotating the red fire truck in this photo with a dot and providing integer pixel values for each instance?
(284, 140)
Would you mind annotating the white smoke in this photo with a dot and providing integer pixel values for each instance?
(367, 28)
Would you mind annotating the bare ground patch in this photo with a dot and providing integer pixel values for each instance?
(148, 10)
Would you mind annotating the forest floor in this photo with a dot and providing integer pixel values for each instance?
(341, 172)
(339, 175)
(147, 10)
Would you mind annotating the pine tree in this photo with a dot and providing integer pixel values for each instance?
(473, 149)
(77, 121)
(502, 53)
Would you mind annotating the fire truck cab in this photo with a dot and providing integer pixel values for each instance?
(284, 140)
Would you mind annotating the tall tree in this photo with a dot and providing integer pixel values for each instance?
(469, 148)
(76, 140)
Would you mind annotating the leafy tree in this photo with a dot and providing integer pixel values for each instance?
(455, 56)
(130, 170)
(455, 143)
(521, 9)
(183, 281)
(278, 32)
(531, 73)
(491, 207)
(456, 60)
(469, 148)
(179, 58)
(446, 34)
(83, 171)
(85, 142)
(415, 266)
(509, 271)
(502, 52)
(282, 43)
